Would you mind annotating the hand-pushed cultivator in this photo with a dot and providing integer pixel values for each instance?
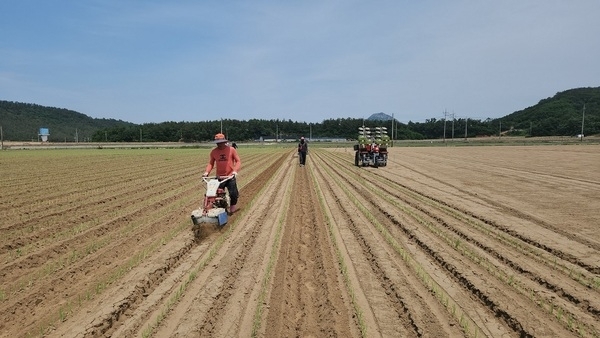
(215, 209)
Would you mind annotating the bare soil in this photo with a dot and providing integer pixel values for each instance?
(442, 242)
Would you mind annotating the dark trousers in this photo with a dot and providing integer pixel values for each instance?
(231, 187)
(302, 156)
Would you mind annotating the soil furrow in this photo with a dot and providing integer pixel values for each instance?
(218, 288)
(64, 249)
(47, 225)
(111, 320)
(518, 212)
(306, 274)
(427, 244)
(110, 259)
(442, 242)
(397, 290)
(528, 267)
(128, 175)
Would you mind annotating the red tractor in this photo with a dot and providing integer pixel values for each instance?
(371, 150)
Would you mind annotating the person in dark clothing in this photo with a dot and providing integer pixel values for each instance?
(302, 151)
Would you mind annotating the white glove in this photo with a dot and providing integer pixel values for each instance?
(234, 173)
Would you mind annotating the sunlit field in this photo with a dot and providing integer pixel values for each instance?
(448, 239)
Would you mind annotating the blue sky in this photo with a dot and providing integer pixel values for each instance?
(156, 61)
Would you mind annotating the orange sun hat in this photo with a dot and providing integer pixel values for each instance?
(220, 138)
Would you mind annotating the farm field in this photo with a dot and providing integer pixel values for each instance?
(487, 241)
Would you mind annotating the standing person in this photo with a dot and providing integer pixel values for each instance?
(302, 151)
(228, 164)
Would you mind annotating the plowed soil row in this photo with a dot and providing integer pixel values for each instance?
(441, 242)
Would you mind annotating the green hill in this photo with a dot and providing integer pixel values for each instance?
(22, 121)
(560, 115)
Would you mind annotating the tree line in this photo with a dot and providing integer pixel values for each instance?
(564, 114)
(254, 129)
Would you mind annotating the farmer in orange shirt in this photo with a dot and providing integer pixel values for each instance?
(228, 164)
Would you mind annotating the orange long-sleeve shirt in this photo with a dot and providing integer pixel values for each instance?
(227, 161)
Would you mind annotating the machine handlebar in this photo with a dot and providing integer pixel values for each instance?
(221, 179)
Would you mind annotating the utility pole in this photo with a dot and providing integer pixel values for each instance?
(466, 124)
(582, 120)
(395, 124)
(445, 126)
(500, 132)
(393, 129)
(452, 126)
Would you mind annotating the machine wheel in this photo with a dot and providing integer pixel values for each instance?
(356, 158)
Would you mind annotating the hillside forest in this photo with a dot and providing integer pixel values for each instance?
(564, 114)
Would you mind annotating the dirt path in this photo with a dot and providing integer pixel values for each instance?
(442, 242)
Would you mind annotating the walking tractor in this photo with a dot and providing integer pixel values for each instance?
(215, 208)
(371, 149)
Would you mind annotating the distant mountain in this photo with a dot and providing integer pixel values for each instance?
(380, 117)
(22, 121)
